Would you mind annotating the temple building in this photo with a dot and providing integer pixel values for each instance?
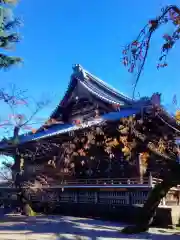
(96, 132)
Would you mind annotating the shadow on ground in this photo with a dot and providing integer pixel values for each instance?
(59, 227)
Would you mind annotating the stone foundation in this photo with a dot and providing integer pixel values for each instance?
(165, 216)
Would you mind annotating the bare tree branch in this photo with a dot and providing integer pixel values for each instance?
(135, 53)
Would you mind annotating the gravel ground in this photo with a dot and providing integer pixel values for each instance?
(63, 227)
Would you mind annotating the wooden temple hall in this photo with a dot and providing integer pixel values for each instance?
(96, 147)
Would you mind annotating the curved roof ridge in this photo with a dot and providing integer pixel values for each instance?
(93, 91)
(81, 74)
(107, 85)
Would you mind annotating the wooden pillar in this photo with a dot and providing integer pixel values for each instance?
(178, 197)
(17, 163)
(96, 196)
(75, 197)
(127, 196)
(150, 180)
(164, 201)
(141, 168)
(15, 167)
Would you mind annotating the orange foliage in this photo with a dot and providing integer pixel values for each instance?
(144, 157)
(113, 143)
(34, 130)
(177, 116)
(77, 122)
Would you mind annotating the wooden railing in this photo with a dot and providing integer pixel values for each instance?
(151, 182)
(147, 182)
(107, 181)
(158, 180)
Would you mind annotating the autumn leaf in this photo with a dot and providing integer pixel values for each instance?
(34, 130)
(126, 151)
(177, 116)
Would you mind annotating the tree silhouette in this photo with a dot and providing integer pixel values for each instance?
(8, 33)
(135, 55)
(16, 122)
(20, 120)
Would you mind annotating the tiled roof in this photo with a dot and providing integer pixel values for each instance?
(64, 128)
(105, 85)
(98, 88)
(95, 86)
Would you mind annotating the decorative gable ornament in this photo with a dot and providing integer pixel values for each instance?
(78, 69)
(156, 99)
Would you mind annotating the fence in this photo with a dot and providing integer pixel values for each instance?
(121, 182)
(117, 191)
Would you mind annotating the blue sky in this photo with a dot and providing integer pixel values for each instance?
(60, 33)
(92, 33)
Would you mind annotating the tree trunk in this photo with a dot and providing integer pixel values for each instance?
(148, 211)
(27, 210)
(25, 204)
